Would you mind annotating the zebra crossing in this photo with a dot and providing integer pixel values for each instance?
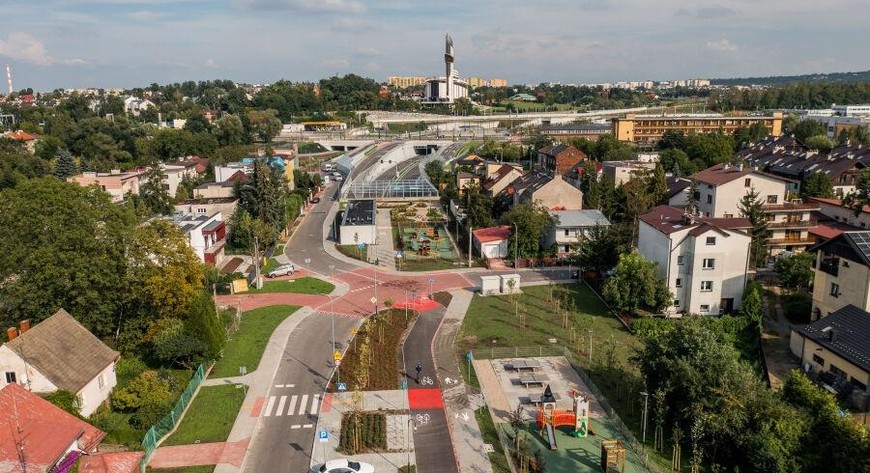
(291, 405)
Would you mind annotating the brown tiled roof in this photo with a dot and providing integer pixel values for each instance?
(667, 220)
(485, 235)
(64, 351)
(865, 209)
(40, 430)
(720, 174)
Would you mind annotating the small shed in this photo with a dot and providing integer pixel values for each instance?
(506, 283)
(490, 285)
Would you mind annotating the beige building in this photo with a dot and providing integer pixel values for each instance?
(116, 183)
(226, 206)
(402, 82)
(842, 273)
(498, 177)
(553, 193)
(498, 83)
(650, 128)
(837, 348)
(703, 260)
(624, 171)
(722, 186)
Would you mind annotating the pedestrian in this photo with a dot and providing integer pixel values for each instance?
(419, 370)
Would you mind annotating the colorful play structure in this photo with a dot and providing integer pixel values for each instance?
(549, 417)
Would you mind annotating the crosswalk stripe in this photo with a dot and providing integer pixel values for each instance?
(292, 405)
(302, 405)
(314, 403)
(281, 402)
(269, 406)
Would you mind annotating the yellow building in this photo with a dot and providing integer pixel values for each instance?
(650, 128)
(475, 82)
(406, 81)
(498, 83)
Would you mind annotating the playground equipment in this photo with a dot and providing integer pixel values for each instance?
(549, 417)
(612, 455)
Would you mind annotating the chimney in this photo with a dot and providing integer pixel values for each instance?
(24, 326)
(739, 167)
(11, 334)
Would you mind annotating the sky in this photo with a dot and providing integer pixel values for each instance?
(132, 43)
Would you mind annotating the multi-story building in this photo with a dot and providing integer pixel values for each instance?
(721, 187)
(558, 159)
(624, 171)
(789, 224)
(553, 193)
(842, 273)
(650, 128)
(563, 133)
(703, 260)
(569, 227)
(206, 235)
(498, 83)
(116, 183)
(403, 82)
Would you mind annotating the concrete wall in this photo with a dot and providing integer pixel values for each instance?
(93, 394)
(364, 234)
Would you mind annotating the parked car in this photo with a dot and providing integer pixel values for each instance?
(283, 270)
(315, 200)
(346, 466)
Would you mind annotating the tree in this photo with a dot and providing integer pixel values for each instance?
(171, 344)
(229, 131)
(152, 194)
(531, 222)
(590, 186)
(147, 388)
(478, 206)
(64, 246)
(635, 284)
(204, 324)
(692, 197)
(65, 165)
(795, 271)
(751, 208)
(804, 129)
(264, 124)
(752, 306)
(858, 198)
(817, 184)
(601, 246)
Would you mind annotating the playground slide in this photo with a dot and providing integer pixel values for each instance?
(551, 437)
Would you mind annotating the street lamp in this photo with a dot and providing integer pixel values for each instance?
(332, 305)
(516, 246)
(645, 404)
(410, 424)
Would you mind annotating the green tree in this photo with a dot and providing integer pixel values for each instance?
(531, 222)
(65, 165)
(819, 142)
(795, 271)
(66, 400)
(147, 388)
(152, 194)
(804, 129)
(750, 207)
(478, 207)
(635, 284)
(229, 131)
(264, 124)
(601, 246)
(172, 344)
(817, 184)
(204, 324)
(858, 198)
(590, 186)
(752, 306)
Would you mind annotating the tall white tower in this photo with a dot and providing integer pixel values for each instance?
(9, 77)
(448, 63)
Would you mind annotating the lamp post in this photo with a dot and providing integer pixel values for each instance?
(516, 246)
(411, 423)
(645, 404)
(332, 305)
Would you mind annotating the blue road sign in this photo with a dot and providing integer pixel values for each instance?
(404, 384)
(361, 246)
(431, 280)
(469, 356)
(342, 387)
(323, 435)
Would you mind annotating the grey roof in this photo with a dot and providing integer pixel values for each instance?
(579, 218)
(854, 246)
(845, 332)
(64, 351)
(359, 212)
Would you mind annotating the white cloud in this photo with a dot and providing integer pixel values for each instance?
(308, 6)
(368, 52)
(24, 47)
(211, 64)
(336, 64)
(722, 45)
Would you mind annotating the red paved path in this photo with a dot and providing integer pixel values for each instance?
(200, 454)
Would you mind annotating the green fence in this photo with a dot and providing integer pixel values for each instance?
(159, 430)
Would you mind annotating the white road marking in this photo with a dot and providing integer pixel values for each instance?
(269, 406)
(307, 426)
(302, 404)
(281, 402)
(314, 403)
(295, 426)
(279, 385)
(292, 405)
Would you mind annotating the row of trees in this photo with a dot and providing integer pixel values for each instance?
(791, 96)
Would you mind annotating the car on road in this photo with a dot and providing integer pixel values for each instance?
(283, 270)
(337, 177)
(345, 466)
(315, 200)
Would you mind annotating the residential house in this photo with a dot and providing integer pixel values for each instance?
(116, 183)
(226, 206)
(789, 224)
(465, 179)
(60, 353)
(842, 273)
(834, 209)
(558, 159)
(491, 242)
(497, 179)
(39, 437)
(837, 348)
(624, 171)
(135, 106)
(206, 235)
(703, 260)
(472, 162)
(575, 174)
(678, 191)
(27, 139)
(554, 193)
(569, 227)
(217, 190)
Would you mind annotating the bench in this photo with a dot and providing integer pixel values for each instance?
(535, 399)
(530, 379)
(524, 365)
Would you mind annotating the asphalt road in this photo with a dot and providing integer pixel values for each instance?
(433, 446)
(285, 437)
(307, 241)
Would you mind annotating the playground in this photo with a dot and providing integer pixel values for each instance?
(420, 235)
(562, 418)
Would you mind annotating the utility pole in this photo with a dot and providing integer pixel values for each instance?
(257, 283)
(516, 247)
(469, 244)
(645, 404)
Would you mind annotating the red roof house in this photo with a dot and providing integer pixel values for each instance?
(492, 242)
(36, 435)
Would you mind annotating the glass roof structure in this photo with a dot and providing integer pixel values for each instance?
(419, 188)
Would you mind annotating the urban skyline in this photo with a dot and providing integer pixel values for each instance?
(132, 43)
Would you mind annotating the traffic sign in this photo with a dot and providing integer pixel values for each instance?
(373, 300)
(431, 280)
(361, 246)
(342, 387)
(469, 356)
(336, 356)
(404, 384)
(337, 363)
(323, 435)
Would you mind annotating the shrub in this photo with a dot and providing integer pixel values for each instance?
(66, 400)
(147, 389)
(130, 367)
(798, 307)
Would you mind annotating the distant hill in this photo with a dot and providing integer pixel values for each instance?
(820, 78)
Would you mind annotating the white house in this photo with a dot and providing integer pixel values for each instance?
(358, 223)
(491, 242)
(570, 226)
(703, 260)
(722, 186)
(206, 234)
(60, 353)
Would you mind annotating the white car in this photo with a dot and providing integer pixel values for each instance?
(346, 466)
(283, 270)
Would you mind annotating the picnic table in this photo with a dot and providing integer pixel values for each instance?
(529, 379)
(536, 398)
(525, 365)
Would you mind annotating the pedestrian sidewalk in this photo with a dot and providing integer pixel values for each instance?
(384, 253)
(460, 400)
(258, 381)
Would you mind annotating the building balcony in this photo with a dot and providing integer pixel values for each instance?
(790, 241)
(830, 267)
(792, 224)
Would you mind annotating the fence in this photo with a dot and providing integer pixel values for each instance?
(166, 425)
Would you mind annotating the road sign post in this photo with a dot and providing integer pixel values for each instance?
(469, 356)
(336, 358)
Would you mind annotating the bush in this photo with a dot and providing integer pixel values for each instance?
(67, 401)
(147, 389)
(797, 307)
(130, 367)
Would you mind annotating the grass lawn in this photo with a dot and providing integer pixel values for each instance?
(426, 264)
(245, 347)
(306, 285)
(271, 264)
(210, 416)
(186, 469)
(497, 459)
(371, 363)
(353, 251)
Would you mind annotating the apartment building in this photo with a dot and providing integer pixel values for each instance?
(703, 260)
(558, 159)
(650, 128)
(842, 273)
(115, 183)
